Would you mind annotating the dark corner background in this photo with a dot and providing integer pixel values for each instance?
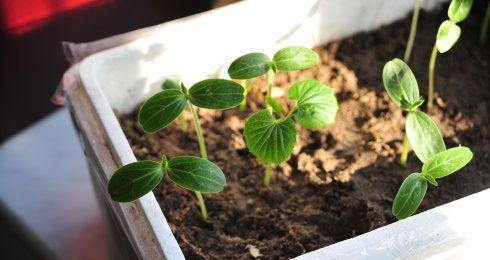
(31, 59)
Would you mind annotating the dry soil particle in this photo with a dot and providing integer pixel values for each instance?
(341, 180)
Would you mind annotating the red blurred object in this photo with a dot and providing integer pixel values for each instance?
(22, 16)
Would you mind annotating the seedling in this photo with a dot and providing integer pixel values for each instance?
(413, 31)
(447, 35)
(199, 175)
(413, 188)
(421, 132)
(271, 135)
(254, 65)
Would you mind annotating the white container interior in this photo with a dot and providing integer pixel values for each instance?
(203, 45)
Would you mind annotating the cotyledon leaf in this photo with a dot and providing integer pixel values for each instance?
(409, 196)
(423, 135)
(196, 174)
(161, 109)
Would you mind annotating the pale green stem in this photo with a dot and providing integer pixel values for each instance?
(484, 28)
(247, 85)
(270, 82)
(405, 150)
(204, 154)
(183, 122)
(413, 32)
(432, 64)
(267, 176)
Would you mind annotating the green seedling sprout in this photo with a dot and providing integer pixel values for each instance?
(413, 31)
(271, 135)
(484, 27)
(447, 35)
(255, 64)
(421, 132)
(413, 188)
(134, 180)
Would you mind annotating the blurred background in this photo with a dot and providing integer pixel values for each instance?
(40, 157)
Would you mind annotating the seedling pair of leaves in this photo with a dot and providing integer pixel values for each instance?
(134, 180)
(256, 64)
(447, 36)
(424, 137)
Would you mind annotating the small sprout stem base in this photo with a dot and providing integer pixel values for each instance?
(200, 200)
(267, 176)
(183, 123)
(405, 150)
(197, 126)
(413, 31)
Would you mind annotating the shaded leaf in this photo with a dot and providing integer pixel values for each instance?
(400, 83)
(170, 84)
(459, 10)
(249, 66)
(316, 105)
(295, 58)
(447, 162)
(447, 35)
(161, 109)
(216, 94)
(196, 174)
(423, 135)
(269, 139)
(134, 180)
(409, 196)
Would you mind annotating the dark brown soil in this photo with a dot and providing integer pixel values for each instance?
(341, 180)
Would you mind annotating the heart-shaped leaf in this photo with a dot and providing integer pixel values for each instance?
(196, 174)
(271, 140)
(447, 162)
(249, 66)
(447, 35)
(170, 84)
(216, 94)
(400, 84)
(161, 109)
(409, 196)
(295, 58)
(316, 105)
(459, 10)
(134, 180)
(423, 135)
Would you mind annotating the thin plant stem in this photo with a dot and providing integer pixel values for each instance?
(405, 150)
(484, 27)
(204, 154)
(267, 176)
(270, 82)
(432, 64)
(183, 123)
(413, 31)
(200, 199)
(247, 85)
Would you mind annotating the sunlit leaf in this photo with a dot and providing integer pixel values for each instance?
(423, 135)
(295, 58)
(447, 35)
(409, 196)
(196, 174)
(316, 104)
(447, 162)
(459, 10)
(400, 84)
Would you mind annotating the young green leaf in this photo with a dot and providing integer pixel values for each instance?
(423, 135)
(447, 35)
(459, 10)
(409, 196)
(196, 174)
(249, 66)
(316, 105)
(134, 180)
(161, 109)
(216, 94)
(170, 84)
(270, 139)
(295, 58)
(400, 83)
(275, 105)
(447, 162)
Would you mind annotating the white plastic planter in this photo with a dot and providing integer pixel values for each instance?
(202, 46)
